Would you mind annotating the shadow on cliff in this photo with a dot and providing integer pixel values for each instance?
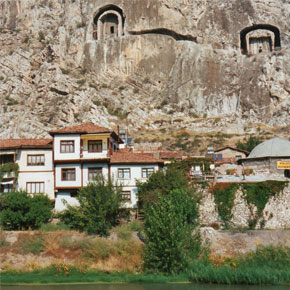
(165, 31)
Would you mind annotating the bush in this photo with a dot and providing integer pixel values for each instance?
(161, 182)
(54, 227)
(20, 211)
(169, 243)
(249, 144)
(34, 245)
(99, 208)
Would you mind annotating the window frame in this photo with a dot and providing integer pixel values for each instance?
(145, 170)
(123, 173)
(67, 145)
(67, 169)
(95, 141)
(126, 193)
(36, 164)
(35, 182)
(9, 187)
(5, 159)
(95, 172)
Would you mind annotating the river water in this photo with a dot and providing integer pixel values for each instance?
(147, 286)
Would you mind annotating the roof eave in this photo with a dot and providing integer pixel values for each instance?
(138, 162)
(27, 147)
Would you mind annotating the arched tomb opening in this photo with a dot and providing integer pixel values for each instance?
(108, 23)
(261, 38)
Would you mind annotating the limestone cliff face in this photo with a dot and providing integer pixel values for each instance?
(144, 64)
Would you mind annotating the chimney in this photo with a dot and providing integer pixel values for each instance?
(118, 131)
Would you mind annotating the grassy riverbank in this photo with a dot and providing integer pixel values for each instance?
(265, 266)
(50, 275)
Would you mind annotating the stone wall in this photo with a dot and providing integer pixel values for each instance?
(231, 243)
(276, 214)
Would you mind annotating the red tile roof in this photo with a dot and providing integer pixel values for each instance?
(25, 143)
(85, 128)
(126, 156)
(170, 155)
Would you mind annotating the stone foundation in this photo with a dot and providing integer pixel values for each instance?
(276, 214)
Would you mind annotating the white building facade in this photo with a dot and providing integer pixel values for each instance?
(74, 156)
(35, 166)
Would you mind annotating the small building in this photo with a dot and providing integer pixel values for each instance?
(84, 151)
(270, 158)
(80, 153)
(128, 166)
(229, 154)
(34, 170)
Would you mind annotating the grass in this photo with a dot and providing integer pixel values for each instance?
(3, 242)
(268, 265)
(73, 275)
(34, 245)
(244, 275)
(124, 231)
(54, 227)
(123, 258)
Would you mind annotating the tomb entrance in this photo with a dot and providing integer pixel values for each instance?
(108, 23)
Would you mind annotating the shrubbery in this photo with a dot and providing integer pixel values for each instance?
(170, 245)
(250, 143)
(162, 183)
(99, 208)
(21, 211)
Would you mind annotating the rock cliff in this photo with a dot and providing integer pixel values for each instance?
(159, 66)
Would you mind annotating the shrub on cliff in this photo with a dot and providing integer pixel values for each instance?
(162, 183)
(21, 211)
(170, 245)
(250, 143)
(99, 208)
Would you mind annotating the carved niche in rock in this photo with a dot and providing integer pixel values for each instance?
(108, 23)
(260, 39)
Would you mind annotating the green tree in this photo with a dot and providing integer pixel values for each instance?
(161, 182)
(250, 144)
(21, 211)
(99, 208)
(170, 245)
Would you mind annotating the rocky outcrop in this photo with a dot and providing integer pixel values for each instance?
(232, 243)
(276, 214)
(174, 59)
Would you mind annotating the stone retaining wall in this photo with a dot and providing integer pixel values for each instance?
(231, 243)
(276, 214)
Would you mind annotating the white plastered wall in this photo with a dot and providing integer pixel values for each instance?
(91, 165)
(67, 184)
(66, 156)
(95, 155)
(130, 184)
(42, 173)
(64, 198)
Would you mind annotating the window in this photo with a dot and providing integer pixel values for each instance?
(95, 146)
(6, 188)
(146, 172)
(238, 157)
(67, 146)
(124, 173)
(68, 174)
(94, 172)
(6, 158)
(35, 160)
(126, 196)
(35, 187)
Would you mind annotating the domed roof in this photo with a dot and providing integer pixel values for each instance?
(274, 147)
